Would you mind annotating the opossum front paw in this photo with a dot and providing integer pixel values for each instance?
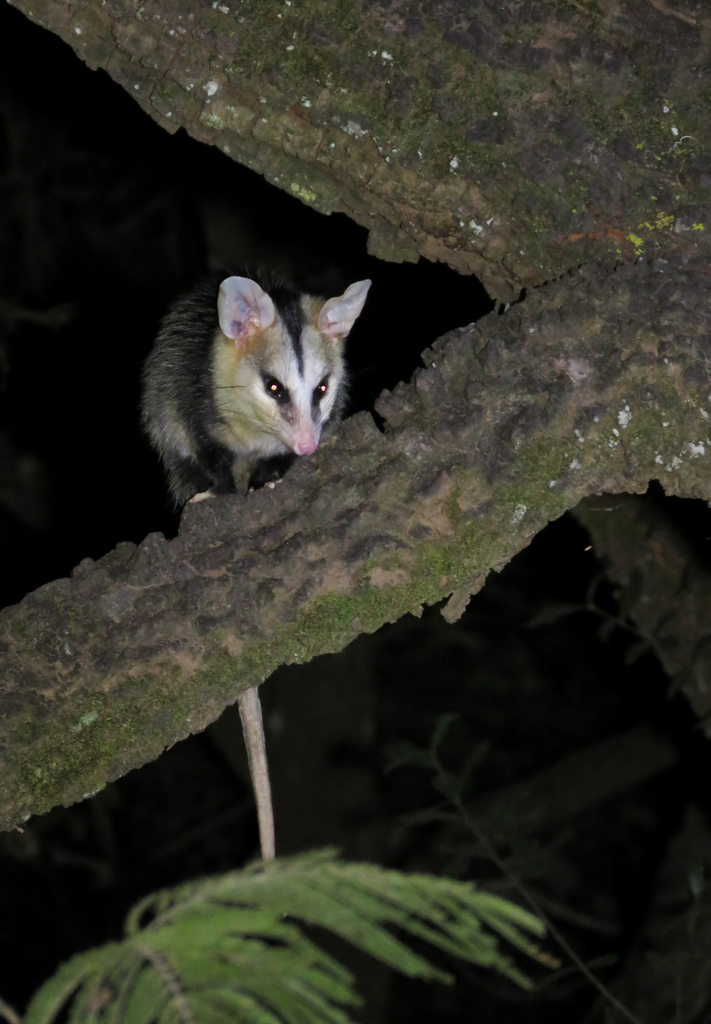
(269, 471)
(202, 496)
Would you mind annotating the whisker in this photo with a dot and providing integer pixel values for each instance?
(266, 425)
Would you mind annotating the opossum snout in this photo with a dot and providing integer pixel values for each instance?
(305, 444)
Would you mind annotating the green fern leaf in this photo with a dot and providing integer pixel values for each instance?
(229, 949)
(71, 976)
(144, 995)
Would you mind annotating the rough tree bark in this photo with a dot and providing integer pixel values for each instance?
(598, 382)
(511, 140)
(514, 140)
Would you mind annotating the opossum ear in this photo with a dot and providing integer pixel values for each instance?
(244, 309)
(338, 315)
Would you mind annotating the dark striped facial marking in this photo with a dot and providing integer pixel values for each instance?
(289, 307)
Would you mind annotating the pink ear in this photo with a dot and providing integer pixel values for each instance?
(338, 315)
(244, 309)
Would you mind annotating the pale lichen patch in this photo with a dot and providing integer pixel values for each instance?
(579, 370)
(518, 514)
(85, 720)
(305, 194)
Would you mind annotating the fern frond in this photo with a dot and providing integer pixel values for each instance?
(229, 949)
(48, 1002)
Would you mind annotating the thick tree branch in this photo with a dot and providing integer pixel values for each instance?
(596, 382)
(510, 140)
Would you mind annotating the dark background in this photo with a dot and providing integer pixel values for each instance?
(104, 219)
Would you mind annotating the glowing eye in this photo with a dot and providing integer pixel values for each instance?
(275, 389)
(321, 389)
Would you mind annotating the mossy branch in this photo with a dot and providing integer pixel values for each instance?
(510, 142)
(596, 382)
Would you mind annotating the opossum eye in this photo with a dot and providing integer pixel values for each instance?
(320, 390)
(276, 390)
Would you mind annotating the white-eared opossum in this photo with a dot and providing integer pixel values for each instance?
(245, 371)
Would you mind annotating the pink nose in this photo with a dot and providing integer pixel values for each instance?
(305, 445)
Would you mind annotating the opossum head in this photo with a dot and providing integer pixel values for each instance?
(279, 370)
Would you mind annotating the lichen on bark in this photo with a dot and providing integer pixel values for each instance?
(596, 382)
(510, 140)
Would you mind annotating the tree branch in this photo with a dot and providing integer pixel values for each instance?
(596, 382)
(510, 142)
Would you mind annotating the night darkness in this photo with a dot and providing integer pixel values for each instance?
(104, 219)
